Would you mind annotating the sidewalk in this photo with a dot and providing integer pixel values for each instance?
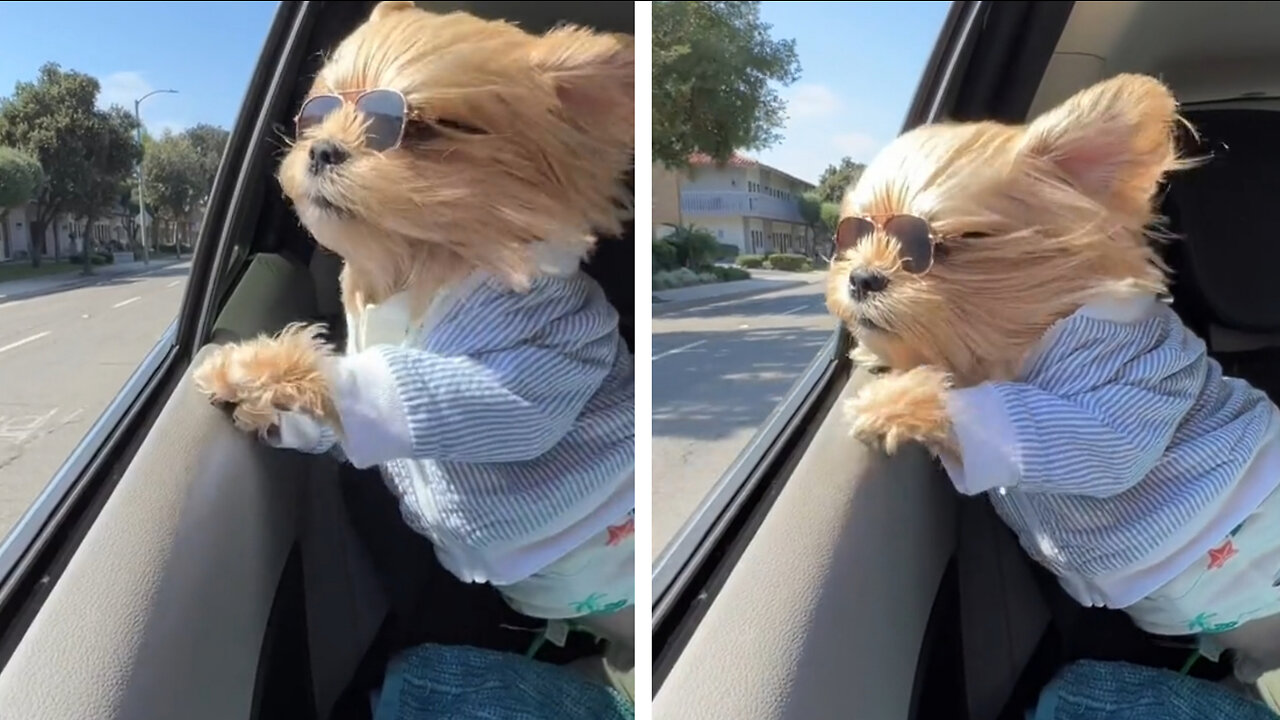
(762, 281)
(16, 289)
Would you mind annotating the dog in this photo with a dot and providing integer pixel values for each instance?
(463, 168)
(1006, 280)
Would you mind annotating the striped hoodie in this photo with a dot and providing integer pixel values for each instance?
(503, 421)
(1121, 454)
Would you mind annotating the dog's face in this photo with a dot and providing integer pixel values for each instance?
(1024, 224)
(509, 139)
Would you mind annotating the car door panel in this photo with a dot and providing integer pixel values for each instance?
(828, 604)
(147, 562)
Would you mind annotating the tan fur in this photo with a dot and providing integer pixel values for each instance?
(1065, 204)
(268, 374)
(558, 111)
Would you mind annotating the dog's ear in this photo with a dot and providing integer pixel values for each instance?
(1113, 141)
(594, 75)
(390, 7)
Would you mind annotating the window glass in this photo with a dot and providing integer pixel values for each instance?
(89, 280)
(738, 309)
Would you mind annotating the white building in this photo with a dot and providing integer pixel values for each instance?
(745, 203)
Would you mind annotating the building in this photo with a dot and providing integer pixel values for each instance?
(111, 232)
(744, 203)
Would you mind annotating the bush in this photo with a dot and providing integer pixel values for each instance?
(750, 261)
(672, 279)
(790, 263)
(665, 256)
(727, 252)
(695, 246)
(729, 274)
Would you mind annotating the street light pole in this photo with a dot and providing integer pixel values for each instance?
(142, 204)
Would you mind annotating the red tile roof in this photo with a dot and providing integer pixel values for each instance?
(735, 160)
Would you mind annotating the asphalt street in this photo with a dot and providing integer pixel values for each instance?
(63, 356)
(718, 371)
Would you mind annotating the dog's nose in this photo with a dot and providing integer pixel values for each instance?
(866, 282)
(325, 154)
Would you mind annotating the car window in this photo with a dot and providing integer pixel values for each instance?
(112, 128)
(744, 207)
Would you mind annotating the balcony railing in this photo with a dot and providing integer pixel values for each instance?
(749, 204)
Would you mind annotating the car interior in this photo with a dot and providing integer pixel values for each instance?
(192, 571)
(857, 585)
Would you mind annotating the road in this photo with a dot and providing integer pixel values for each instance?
(718, 370)
(63, 356)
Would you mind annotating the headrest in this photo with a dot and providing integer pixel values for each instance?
(1227, 212)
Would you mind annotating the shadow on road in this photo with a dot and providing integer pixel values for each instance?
(98, 280)
(733, 384)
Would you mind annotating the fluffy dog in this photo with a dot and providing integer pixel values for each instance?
(462, 169)
(1007, 279)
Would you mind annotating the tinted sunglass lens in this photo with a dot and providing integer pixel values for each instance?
(851, 231)
(385, 112)
(915, 241)
(315, 110)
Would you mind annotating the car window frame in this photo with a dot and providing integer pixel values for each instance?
(691, 546)
(45, 536)
(685, 578)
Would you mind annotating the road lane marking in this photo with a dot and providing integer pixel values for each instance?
(122, 303)
(24, 341)
(794, 310)
(175, 283)
(14, 303)
(682, 348)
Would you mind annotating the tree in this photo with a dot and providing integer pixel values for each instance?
(208, 141)
(173, 176)
(811, 212)
(110, 162)
(56, 120)
(837, 179)
(20, 178)
(830, 220)
(714, 70)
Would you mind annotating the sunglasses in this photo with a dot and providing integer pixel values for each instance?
(917, 243)
(387, 111)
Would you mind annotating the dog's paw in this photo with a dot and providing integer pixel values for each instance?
(267, 375)
(902, 407)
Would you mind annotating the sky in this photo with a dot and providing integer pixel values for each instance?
(205, 50)
(860, 64)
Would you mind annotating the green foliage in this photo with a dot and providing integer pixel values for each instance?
(695, 247)
(790, 262)
(715, 72)
(727, 252)
(728, 274)
(665, 256)
(836, 179)
(172, 172)
(751, 261)
(20, 178)
(827, 227)
(85, 152)
(810, 205)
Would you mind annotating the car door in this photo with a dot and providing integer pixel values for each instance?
(175, 567)
(822, 579)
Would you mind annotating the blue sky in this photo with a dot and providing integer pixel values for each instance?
(204, 50)
(861, 62)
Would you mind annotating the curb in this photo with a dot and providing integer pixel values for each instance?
(667, 307)
(79, 282)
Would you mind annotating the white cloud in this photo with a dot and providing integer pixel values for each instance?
(811, 101)
(859, 146)
(122, 88)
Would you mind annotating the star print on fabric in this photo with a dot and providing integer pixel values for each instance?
(618, 533)
(1203, 623)
(1221, 554)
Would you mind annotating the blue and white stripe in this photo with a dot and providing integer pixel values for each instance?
(1122, 434)
(511, 419)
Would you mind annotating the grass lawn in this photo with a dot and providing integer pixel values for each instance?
(22, 270)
